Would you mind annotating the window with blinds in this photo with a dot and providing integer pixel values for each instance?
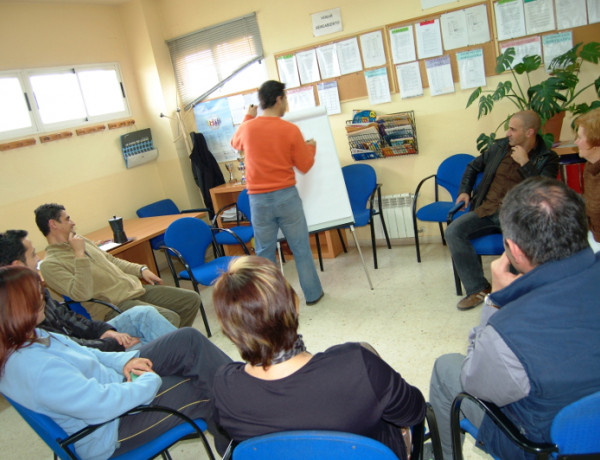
(218, 60)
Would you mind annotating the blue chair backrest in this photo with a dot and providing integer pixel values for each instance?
(243, 203)
(44, 426)
(314, 445)
(159, 208)
(191, 237)
(360, 180)
(77, 307)
(450, 172)
(576, 428)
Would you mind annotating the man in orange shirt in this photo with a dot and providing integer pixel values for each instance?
(272, 148)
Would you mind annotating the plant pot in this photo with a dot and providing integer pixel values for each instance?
(554, 125)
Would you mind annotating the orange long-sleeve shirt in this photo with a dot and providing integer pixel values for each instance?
(272, 148)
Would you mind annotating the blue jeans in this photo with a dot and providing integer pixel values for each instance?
(282, 209)
(466, 260)
(142, 321)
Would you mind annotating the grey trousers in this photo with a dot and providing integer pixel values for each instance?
(187, 361)
(179, 306)
(444, 386)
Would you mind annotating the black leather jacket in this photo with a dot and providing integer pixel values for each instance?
(59, 318)
(542, 162)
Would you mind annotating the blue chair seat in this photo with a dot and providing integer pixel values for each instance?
(205, 274)
(245, 232)
(62, 444)
(489, 245)
(436, 212)
(312, 444)
(448, 176)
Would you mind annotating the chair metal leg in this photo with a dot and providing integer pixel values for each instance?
(204, 319)
(456, 280)
(434, 434)
(385, 232)
(442, 233)
(416, 232)
(319, 251)
(373, 244)
(339, 231)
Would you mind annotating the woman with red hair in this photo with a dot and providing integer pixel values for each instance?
(588, 142)
(78, 386)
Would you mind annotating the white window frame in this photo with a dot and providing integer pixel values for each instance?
(37, 126)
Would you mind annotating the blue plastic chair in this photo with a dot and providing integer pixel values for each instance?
(62, 444)
(488, 245)
(448, 176)
(188, 239)
(245, 233)
(81, 310)
(362, 186)
(575, 429)
(314, 445)
(162, 208)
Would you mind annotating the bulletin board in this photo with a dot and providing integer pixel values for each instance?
(488, 48)
(353, 85)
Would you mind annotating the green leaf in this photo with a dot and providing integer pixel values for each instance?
(484, 141)
(545, 97)
(548, 139)
(503, 88)
(529, 64)
(590, 52)
(597, 86)
(486, 104)
(504, 61)
(567, 60)
(474, 95)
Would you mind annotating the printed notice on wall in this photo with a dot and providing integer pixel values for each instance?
(539, 16)
(529, 46)
(429, 39)
(288, 70)
(570, 13)
(307, 66)
(439, 74)
(326, 22)
(510, 19)
(409, 77)
(329, 97)
(555, 45)
(431, 3)
(403, 44)
(373, 52)
(471, 68)
(378, 86)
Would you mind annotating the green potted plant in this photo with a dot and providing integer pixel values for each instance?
(555, 95)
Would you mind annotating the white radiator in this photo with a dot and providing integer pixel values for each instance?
(397, 213)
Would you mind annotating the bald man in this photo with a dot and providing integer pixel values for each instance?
(521, 154)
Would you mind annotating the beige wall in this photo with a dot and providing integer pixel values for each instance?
(88, 174)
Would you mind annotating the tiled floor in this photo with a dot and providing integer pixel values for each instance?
(410, 317)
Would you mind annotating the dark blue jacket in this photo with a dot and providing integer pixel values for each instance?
(550, 319)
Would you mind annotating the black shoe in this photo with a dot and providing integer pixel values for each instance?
(314, 302)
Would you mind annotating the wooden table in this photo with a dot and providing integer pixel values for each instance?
(139, 231)
(225, 194)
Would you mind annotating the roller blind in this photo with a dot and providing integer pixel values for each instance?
(206, 59)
